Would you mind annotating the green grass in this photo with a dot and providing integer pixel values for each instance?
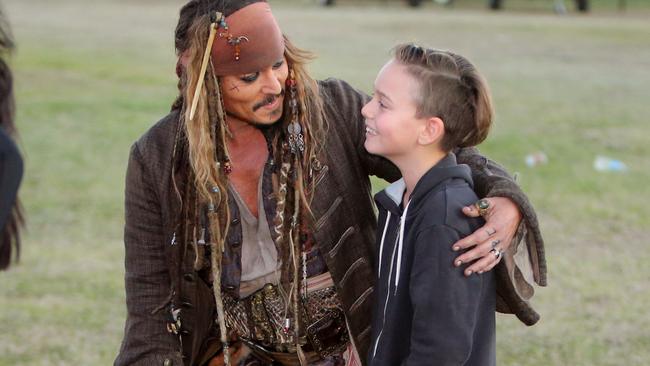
(92, 76)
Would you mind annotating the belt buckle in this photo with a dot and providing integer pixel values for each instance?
(328, 334)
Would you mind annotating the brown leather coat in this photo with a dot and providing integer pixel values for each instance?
(345, 233)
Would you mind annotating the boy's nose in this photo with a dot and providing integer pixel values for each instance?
(365, 110)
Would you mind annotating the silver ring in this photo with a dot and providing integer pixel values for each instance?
(497, 253)
(495, 243)
(490, 231)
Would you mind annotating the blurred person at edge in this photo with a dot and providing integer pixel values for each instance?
(11, 164)
(249, 222)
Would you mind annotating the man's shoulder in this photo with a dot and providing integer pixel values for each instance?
(342, 104)
(159, 138)
(329, 83)
(337, 89)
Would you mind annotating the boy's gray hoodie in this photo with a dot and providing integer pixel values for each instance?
(426, 311)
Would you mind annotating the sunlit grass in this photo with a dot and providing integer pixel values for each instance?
(92, 76)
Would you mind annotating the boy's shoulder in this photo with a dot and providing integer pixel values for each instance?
(443, 204)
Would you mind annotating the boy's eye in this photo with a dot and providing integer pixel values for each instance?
(278, 64)
(379, 101)
(249, 78)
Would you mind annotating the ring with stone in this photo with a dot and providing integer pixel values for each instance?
(482, 206)
(495, 243)
(490, 231)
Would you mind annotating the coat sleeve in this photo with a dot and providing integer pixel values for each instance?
(147, 282)
(492, 180)
(445, 302)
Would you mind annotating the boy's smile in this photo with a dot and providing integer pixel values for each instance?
(370, 130)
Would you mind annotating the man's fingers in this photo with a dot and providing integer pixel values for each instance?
(480, 265)
(489, 267)
(482, 207)
(502, 218)
(481, 235)
(471, 211)
(483, 265)
(479, 251)
(466, 242)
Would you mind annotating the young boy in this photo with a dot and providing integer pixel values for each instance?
(426, 103)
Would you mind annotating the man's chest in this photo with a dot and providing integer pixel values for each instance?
(248, 162)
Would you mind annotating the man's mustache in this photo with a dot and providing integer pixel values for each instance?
(268, 100)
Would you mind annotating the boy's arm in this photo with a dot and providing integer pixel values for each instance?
(445, 302)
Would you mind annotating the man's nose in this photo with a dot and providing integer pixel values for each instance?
(271, 83)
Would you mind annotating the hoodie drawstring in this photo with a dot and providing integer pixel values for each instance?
(401, 244)
(381, 245)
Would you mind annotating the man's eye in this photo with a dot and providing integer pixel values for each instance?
(249, 78)
(381, 104)
(278, 64)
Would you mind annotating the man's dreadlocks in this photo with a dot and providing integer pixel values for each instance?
(201, 151)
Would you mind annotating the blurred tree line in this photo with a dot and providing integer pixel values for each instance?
(581, 5)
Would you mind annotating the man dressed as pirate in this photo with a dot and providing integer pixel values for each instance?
(249, 221)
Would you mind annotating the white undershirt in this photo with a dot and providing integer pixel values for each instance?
(259, 257)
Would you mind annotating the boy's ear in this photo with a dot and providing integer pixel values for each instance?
(433, 131)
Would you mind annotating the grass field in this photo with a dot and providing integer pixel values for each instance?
(91, 76)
